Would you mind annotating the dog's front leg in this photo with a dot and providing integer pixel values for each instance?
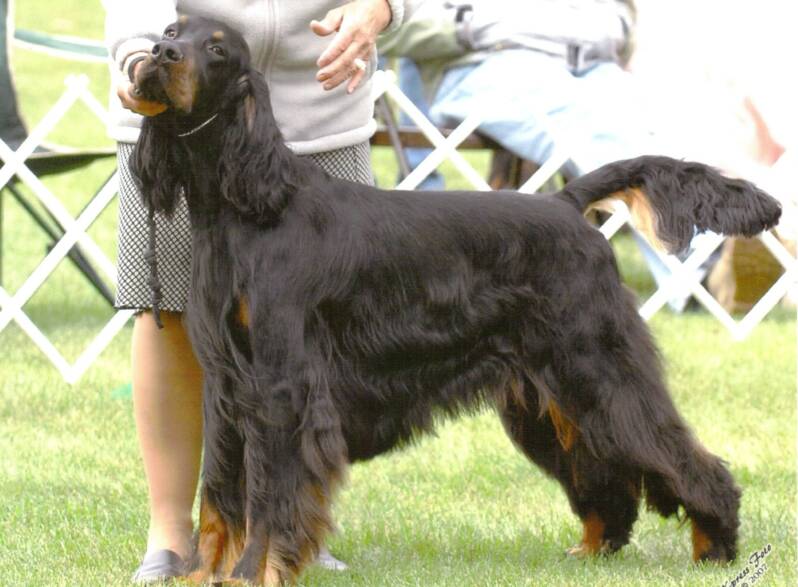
(220, 537)
(294, 451)
(293, 464)
(219, 541)
(280, 535)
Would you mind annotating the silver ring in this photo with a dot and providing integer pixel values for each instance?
(359, 64)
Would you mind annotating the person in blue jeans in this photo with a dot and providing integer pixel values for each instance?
(545, 75)
(410, 82)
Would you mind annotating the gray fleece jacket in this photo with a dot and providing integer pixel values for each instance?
(283, 48)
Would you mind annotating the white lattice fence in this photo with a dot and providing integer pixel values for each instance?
(14, 164)
(683, 275)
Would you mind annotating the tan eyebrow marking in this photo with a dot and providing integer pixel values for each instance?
(183, 19)
(218, 36)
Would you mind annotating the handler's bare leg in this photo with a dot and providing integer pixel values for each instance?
(167, 404)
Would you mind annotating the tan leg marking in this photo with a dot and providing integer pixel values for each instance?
(219, 548)
(243, 312)
(319, 530)
(564, 428)
(701, 543)
(231, 554)
(592, 537)
(274, 571)
(212, 539)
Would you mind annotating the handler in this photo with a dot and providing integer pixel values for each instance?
(318, 59)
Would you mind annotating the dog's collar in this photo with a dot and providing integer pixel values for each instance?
(197, 128)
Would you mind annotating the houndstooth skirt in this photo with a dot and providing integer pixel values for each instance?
(173, 245)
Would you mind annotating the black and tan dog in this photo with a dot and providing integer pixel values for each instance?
(334, 320)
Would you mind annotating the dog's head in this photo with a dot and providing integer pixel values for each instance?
(196, 67)
(219, 106)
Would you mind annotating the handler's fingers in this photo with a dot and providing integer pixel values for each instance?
(357, 78)
(349, 65)
(342, 41)
(329, 24)
(129, 100)
(358, 24)
(343, 63)
(132, 100)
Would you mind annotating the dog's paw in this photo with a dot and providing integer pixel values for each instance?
(583, 550)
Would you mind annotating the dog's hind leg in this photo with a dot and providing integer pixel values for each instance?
(605, 498)
(676, 468)
(700, 483)
(617, 396)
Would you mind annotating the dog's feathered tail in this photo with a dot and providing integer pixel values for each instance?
(670, 199)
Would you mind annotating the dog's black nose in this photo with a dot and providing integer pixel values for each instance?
(166, 52)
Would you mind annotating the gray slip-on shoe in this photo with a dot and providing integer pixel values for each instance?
(327, 561)
(158, 566)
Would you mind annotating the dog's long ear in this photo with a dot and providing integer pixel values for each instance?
(155, 169)
(257, 175)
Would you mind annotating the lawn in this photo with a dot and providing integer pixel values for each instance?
(460, 508)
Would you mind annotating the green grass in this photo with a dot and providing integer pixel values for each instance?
(461, 508)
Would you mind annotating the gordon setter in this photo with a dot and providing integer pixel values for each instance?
(334, 320)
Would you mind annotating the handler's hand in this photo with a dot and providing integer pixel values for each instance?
(356, 25)
(126, 92)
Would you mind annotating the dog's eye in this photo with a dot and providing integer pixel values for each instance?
(170, 34)
(217, 50)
